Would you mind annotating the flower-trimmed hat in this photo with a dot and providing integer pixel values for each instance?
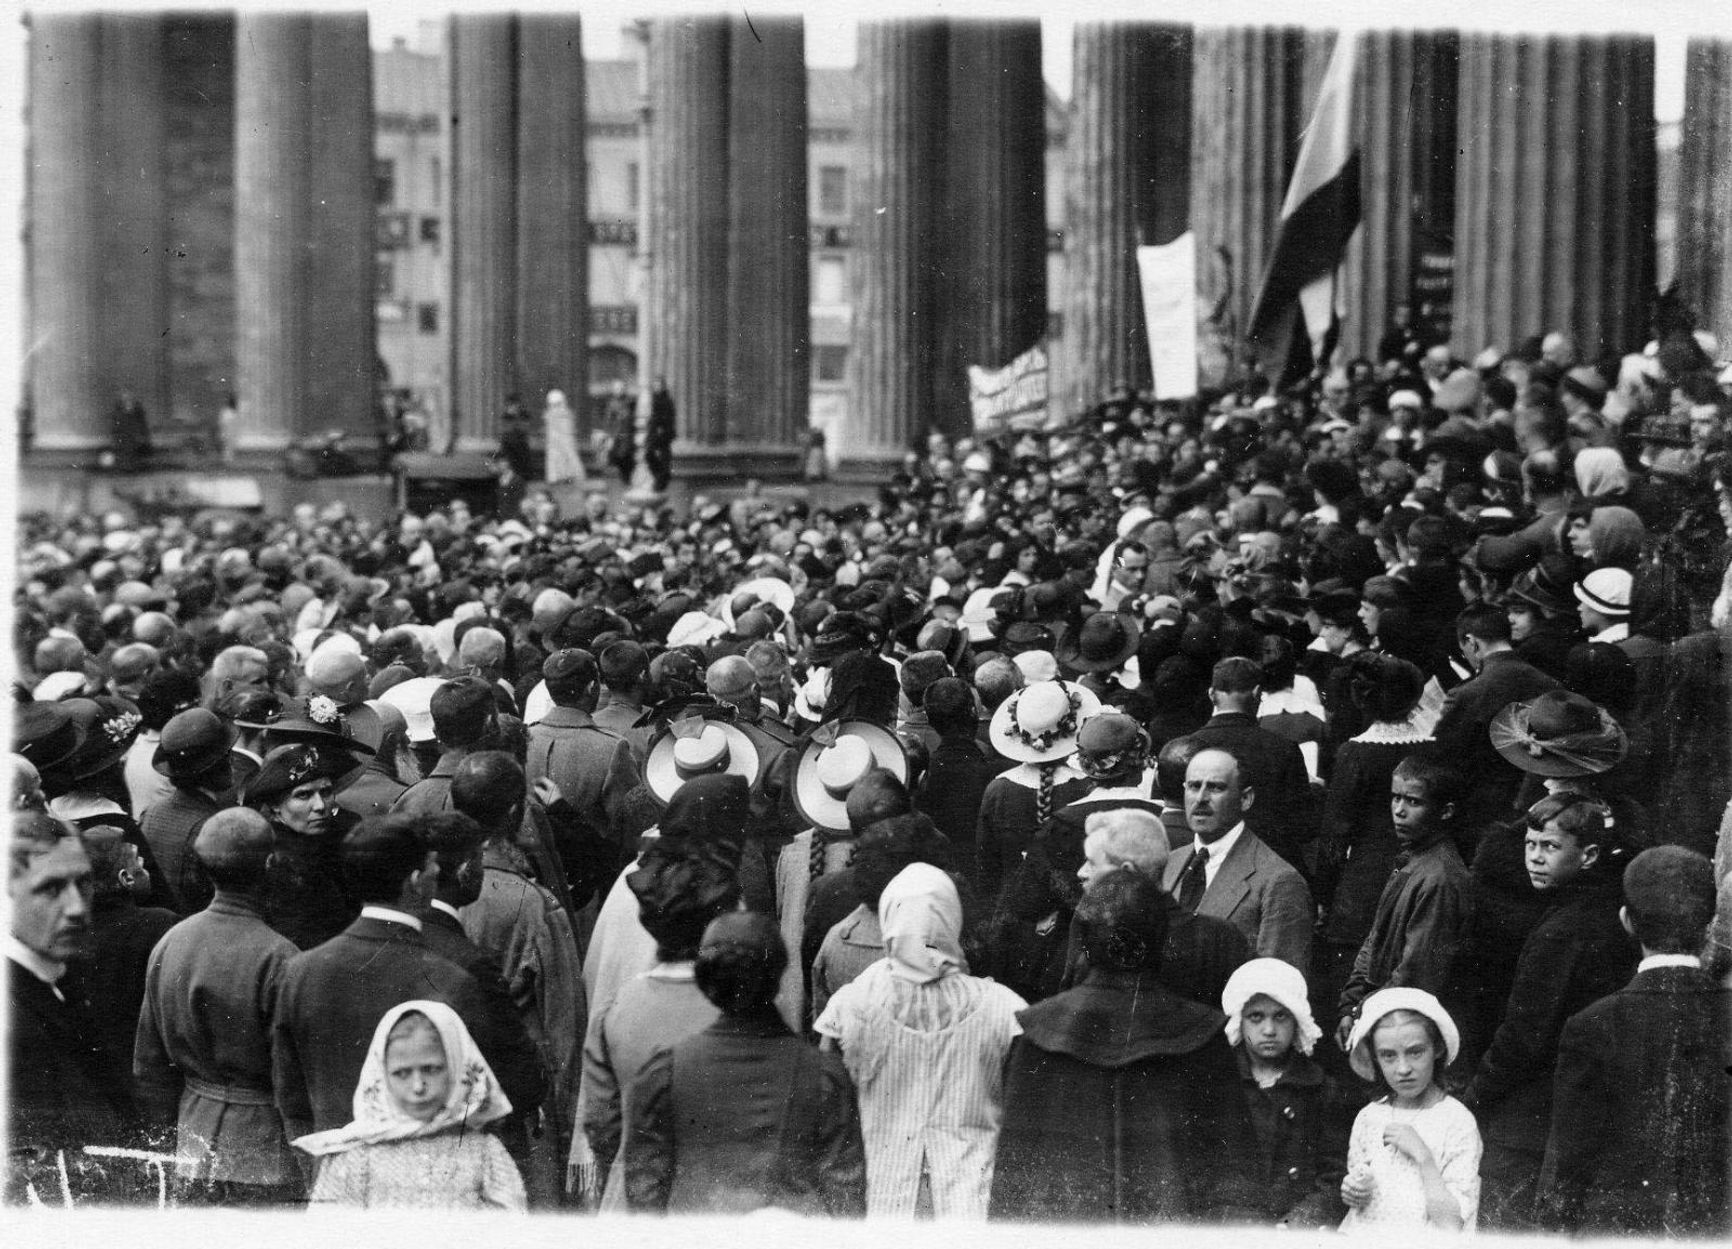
(1560, 733)
(288, 766)
(834, 759)
(1039, 723)
(110, 724)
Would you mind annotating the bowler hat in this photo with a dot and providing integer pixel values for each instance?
(194, 742)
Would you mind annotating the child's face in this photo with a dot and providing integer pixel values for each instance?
(1406, 1057)
(1416, 813)
(1267, 1028)
(1556, 857)
(416, 1073)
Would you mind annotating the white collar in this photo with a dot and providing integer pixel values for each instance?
(439, 904)
(672, 971)
(1407, 732)
(390, 915)
(1612, 633)
(45, 969)
(1028, 774)
(1668, 960)
(1222, 846)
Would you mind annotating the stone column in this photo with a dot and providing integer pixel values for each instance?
(273, 209)
(134, 243)
(482, 52)
(1126, 182)
(768, 360)
(303, 227)
(684, 327)
(898, 104)
(340, 221)
(1248, 89)
(552, 215)
(1405, 95)
(66, 345)
(992, 298)
(1555, 191)
(1704, 242)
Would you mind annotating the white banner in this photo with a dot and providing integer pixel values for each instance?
(1169, 279)
(1013, 397)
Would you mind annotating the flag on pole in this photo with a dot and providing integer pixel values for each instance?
(1297, 314)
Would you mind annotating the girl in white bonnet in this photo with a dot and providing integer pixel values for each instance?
(1300, 1113)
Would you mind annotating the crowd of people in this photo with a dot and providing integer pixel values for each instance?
(1295, 808)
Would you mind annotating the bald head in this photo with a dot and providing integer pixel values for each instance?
(233, 846)
(481, 647)
(732, 679)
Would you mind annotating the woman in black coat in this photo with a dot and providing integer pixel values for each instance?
(1120, 1098)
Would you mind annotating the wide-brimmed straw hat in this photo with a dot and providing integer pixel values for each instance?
(1039, 723)
(833, 760)
(692, 747)
(1559, 734)
(764, 590)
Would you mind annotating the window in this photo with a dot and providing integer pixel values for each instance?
(427, 318)
(830, 363)
(631, 186)
(384, 276)
(430, 230)
(830, 280)
(384, 182)
(832, 190)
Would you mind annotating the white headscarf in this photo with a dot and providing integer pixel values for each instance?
(920, 917)
(1283, 984)
(475, 1097)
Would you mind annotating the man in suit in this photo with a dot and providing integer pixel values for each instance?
(333, 995)
(66, 1089)
(456, 840)
(465, 717)
(195, 756)
(594, 769)
(1463, 734)
(1638, 1143)
(202, 1054)
(1286, 819)
(1230, 873)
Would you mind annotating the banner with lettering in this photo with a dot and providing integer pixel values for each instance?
(1011, 398)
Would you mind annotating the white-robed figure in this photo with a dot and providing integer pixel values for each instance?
(925, 1042)
(559, 431)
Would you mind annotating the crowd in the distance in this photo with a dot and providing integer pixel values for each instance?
(1296, 808)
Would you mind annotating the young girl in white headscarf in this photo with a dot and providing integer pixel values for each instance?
(925, 1043)
(416, 1142)
(1300, 1115)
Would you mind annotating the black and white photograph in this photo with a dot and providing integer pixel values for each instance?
(988, 620)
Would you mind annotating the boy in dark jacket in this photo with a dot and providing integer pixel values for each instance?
(1578, 954)
(1423, 913)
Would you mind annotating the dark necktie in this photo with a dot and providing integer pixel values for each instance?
(1193, 882)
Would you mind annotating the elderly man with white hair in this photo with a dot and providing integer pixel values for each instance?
(1202, 952)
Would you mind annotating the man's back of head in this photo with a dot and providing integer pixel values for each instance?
(380, 857)
(1236, 683)
(463, 712)
(571, 675)
(488, 786)
(234, 846)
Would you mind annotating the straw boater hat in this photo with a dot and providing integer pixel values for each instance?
(1558, 734)
(694, 746)
(833, 760)
(762, 590)
(1039, 723)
